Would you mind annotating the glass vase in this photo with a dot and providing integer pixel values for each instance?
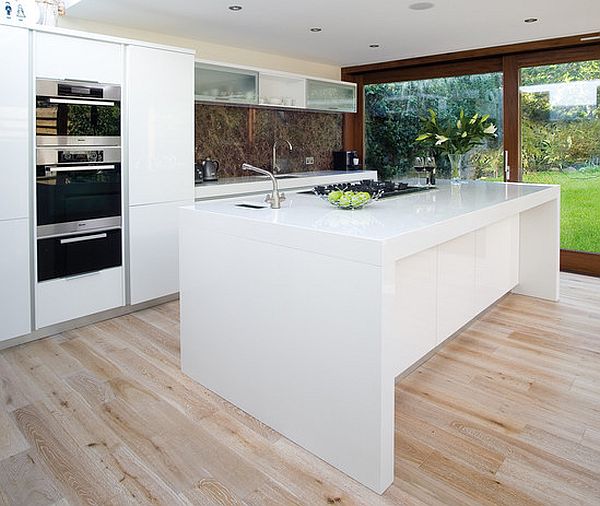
(456, 160)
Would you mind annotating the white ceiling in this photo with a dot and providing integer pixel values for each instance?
(349, 26)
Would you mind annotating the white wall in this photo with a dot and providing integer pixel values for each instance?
(209, 51)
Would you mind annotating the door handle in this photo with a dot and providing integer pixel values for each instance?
(83, 238)
(74, 168)
(79, 102)
(506, 167)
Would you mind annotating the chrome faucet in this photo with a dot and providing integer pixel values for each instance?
(275, 198)
(275, 166)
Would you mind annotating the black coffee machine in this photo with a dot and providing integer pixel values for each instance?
(345, 160)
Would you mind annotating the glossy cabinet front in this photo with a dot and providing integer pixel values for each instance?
(160, 90)
(77, 58)
(15, 291)
(14, 122)
(15, 299)
(161, 166)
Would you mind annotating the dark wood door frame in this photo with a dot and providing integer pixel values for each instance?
(509, 60)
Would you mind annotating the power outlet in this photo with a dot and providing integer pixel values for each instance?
(310, 160)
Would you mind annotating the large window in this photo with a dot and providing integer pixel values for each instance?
(392, 121)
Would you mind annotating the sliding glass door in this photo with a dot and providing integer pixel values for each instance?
(560, 143)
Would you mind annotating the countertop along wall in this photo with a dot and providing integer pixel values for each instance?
(209, 51)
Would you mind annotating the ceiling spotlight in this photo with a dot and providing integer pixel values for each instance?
(374, 46)
(316, 29)
(421, 6)
(531, 20)
(235, 8)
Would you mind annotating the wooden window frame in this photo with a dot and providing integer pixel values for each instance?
(509, 60)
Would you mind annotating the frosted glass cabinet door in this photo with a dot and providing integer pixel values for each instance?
(14, 122)
(214, 83)
(330, 96)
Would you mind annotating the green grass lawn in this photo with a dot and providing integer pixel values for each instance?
(580, 206)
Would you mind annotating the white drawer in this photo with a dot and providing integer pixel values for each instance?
(60, 300)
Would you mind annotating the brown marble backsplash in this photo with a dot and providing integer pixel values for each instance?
(236, 135)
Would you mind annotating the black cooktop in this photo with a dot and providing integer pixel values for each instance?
(386, 188)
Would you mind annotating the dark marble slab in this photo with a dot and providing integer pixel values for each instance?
(234, 135)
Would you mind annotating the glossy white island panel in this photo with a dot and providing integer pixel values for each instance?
(304, 316)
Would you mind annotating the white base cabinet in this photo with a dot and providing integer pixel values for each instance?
(60, 300)
(15, 299)
(154, 250)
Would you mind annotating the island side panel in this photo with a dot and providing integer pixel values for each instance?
(539, 251)
(294, 339)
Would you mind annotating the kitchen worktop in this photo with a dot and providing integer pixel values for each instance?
(433, 214)
(246, 185)
(332, 305)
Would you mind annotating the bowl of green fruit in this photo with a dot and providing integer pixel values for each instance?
(349, 199)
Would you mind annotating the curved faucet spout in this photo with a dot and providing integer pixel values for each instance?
(275, 198)
(275, 144)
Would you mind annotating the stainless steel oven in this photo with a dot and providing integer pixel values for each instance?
(77, 189)
(77, 113)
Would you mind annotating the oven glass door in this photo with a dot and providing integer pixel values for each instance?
(72, 117)
(72, 194)
(72, 255)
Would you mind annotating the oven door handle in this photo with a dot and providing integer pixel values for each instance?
(83, 238)
(75, 168)
(79, 102)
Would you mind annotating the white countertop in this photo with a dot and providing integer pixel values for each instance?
(381, 220)
(227, 187)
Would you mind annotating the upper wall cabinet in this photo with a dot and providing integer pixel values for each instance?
(330, 96)
(214, 83)
(74, 58)
(251, 86)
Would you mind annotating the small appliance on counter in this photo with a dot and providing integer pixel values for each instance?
(198, 174)
(210, 169)
(345, 160)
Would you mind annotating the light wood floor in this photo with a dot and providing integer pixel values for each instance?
(507, 413)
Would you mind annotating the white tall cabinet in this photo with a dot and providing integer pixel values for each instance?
(15, 295)
(160, 133)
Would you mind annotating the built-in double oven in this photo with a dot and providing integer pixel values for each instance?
(78, 178)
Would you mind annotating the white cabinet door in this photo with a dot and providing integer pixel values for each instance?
(15, 299)
(160, 96)
(60, 300)
(14, 122)
(154, 250)
(415, 311)
(496, 261)
(74, 58)
(456, 284)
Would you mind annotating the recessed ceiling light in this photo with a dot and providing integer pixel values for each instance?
(531, 20)
(316, 29)
(374, 46)
(421, 6)
(235, 8)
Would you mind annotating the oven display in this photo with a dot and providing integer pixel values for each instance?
(80, 156)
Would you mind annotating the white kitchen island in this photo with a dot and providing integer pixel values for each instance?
(304, 316)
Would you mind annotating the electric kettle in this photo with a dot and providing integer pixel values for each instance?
(210, 168)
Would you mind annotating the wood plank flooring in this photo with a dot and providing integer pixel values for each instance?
(508, 413)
